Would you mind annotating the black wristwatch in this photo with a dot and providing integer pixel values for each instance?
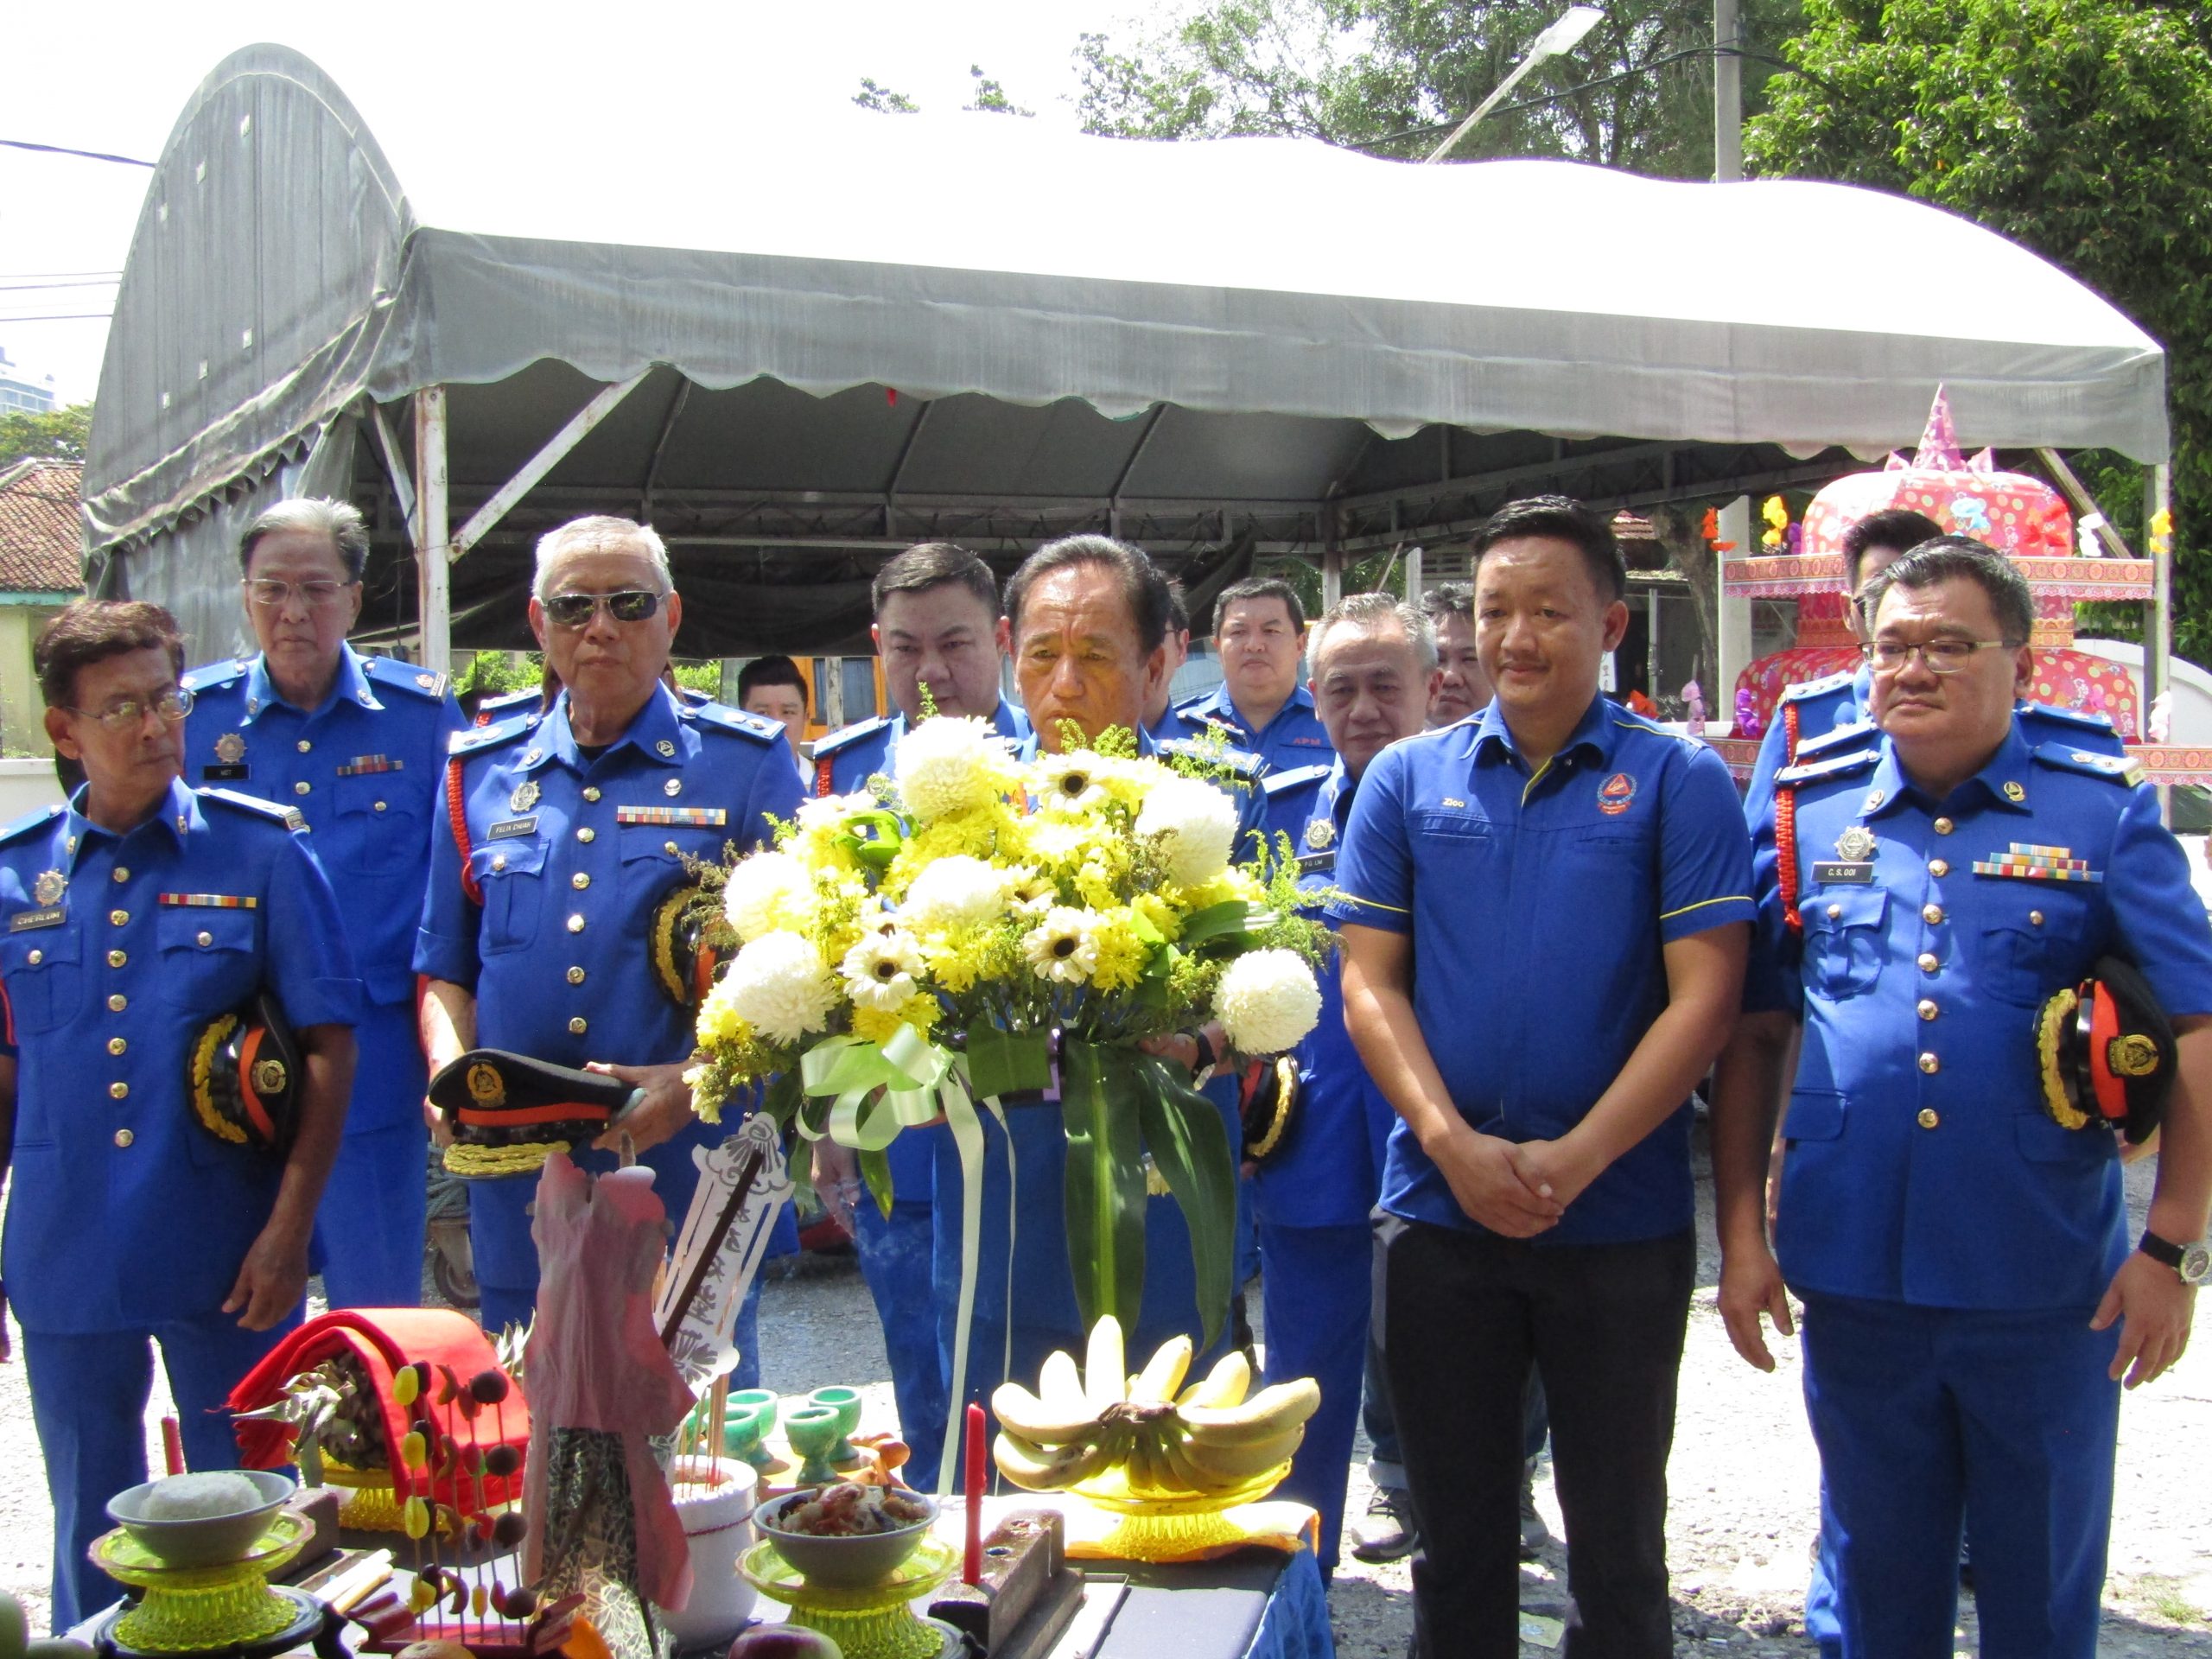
(2192, 1262)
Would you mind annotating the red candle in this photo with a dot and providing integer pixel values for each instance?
(172, 1446)
(971, 1570)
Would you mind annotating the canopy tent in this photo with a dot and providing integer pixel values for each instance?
(796, 352)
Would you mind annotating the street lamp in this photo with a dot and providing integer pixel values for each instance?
(1561, 36)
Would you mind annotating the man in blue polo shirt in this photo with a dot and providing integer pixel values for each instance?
(1259, 629)
(1536, 1197)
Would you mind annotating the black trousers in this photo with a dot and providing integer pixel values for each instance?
(1461, 1317)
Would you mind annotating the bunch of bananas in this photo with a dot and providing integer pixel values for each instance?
(1205, 1440)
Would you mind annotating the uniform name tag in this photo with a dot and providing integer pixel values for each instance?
(511, 827)
(231, 773)
(1316, 863)
(50, 916)
(1851, 871)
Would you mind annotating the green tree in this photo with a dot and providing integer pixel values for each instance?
(883, 100)
(53, 435)
(990, 96)
(2082, 128)
(1392, 77)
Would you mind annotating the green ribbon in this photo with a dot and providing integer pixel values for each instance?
(876, 1089)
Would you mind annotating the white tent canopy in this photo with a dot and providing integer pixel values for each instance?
(800, 351)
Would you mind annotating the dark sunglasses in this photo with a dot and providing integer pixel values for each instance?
(575, 610)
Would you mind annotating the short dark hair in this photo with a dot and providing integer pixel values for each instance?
(1561, 518)
(1179, 613)
(1142, 585)
(769, 670)
(1899, 527)
(1259, 587)
(932, 564)
(1448, 599)
(1942, 558)
(340, 522)
(89, 631)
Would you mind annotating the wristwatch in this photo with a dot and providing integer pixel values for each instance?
(2192, 1262)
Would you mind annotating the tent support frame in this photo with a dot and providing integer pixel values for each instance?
(554, 449)
(435, 603)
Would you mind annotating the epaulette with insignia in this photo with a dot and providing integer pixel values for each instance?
(490, 710)
(407, 676)
(1276, 783)
(845, 736)
(2087, 719)
(691, 698)
(1836, 765)
(722, 716)
(30, 821)
(1826, 683)
(208, 675)
(1246, 764)
(470, 739)
(2113, 768)
(288, 815)
(1837, 739)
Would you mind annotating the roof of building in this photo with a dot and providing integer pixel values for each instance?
(42, 546)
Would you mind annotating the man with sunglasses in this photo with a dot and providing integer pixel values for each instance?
(556, 838)
(1971, 1297)
(137, 917)
(356, 745)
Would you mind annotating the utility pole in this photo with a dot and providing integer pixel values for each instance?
(1727, 95)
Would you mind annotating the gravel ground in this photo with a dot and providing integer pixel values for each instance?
(1744, 1481)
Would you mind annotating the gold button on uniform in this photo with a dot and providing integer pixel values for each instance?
(1931, 914)
(124, 1137)
(498, 861)
(302, 787)
(118, 1045)
(1925, 1008)
(672, 847)
(203, 939)
(580, 880)
(117, 1003)
(591, 791)
(121, 874)
(305, 746)
(586, 833)
(1944, 826)
(1927, 1120)
(119, 1091)
(1834, 910)
(117, 958)
(577, 1027)
(575, 924)
(118, 917)
(575, 976)
(1927, 961)
(1929, 1064)
(35, 957)
(380, 807)
(2034, 918)
(1939, 866)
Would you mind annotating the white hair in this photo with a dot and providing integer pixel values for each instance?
(599, 534)
(1375, 614)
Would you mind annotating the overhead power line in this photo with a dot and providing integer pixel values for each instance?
(62, 316)
(21, 288)
(64, 150)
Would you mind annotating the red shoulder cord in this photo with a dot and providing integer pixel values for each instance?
(1785, 825)
(823, 784)
(457, 810)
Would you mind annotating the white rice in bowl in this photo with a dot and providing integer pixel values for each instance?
(199, 1497)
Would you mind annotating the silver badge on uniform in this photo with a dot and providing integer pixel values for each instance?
(1855, 843)
(665, 747)
(525, 796)
(1320, 833)
(230, 748)
(49, 887)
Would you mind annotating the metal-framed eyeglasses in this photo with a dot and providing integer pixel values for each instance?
(120, 716)
(576, 610)
(318, 595)
(1941, 656)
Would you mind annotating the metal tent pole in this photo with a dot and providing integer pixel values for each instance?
(433, 554)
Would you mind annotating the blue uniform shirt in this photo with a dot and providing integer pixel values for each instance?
(364, 769)
(571, 856)
(848, 757)
(1571, 877)
(1295, 737)
(1921, 1166)
(124, 1212)
(1327, 1169)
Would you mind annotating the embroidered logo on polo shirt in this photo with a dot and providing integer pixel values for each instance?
(1617, 794)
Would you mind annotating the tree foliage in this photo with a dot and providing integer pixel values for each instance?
(2079, 128)
(990, 96)
(883, 100)
(1392, 77)
(54, 434)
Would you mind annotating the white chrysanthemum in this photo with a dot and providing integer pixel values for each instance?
(780, 987)
(1196, 825)
(954, 891)
(1267, 1001)
(1064, 947)
(764, 892)
(880, 971)
(1031, 891)
(1071, 783)
(946, 765)
(820, 812)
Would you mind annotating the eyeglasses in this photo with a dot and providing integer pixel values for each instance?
(171, 705)
(1941, 656)
(318, 595)
(575, 610)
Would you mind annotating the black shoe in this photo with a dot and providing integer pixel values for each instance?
(1388, 1532)
(1535, 1534)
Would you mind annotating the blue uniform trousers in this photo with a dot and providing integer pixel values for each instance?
(1314, 1296)
(88, 1400)
(895, 1260)
(1927, 1418)
(368, 1230)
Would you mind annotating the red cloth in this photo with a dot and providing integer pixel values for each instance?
(384, 1340)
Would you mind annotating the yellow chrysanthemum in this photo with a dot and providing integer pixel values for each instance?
(1121, 954)
(880, 1024)
(1165, 915)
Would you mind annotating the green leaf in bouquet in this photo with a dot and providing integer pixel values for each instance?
(1229, 916)
(1001, 1063)
(875, 1169)
(1189, 1145)
(1100, 1087)
(875, 849)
